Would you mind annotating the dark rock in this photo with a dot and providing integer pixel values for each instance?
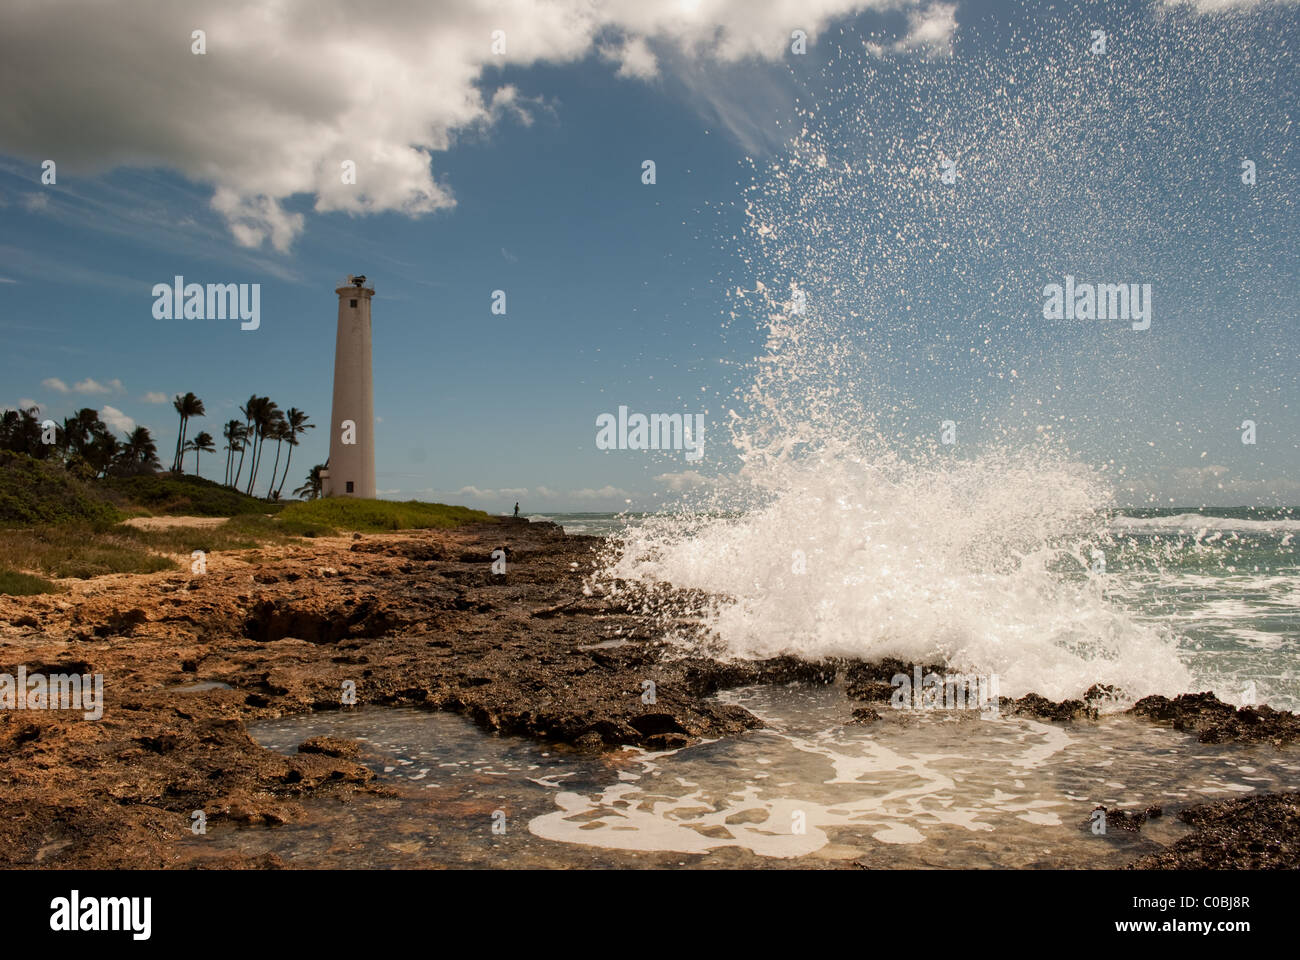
(331, 747)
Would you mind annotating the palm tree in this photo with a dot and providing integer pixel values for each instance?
(298, 425)
(100, 452)
(84, 445)
(20, 431)
(187, 406)
(265, 412)
(312, 488)
(247, 411)
(201, 443)
(78, 430)
(140, 448)
(138, 455)
(235, 433)
(277, 430)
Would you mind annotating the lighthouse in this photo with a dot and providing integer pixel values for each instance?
(351, 470)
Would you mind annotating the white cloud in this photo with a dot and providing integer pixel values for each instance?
(55, 384)
(634, 58)
(153, 396)
(94, 386)
(489, 494)
(604, 493)
(685, 480)
(930, 30)
(36, 202)
(287, 92)
(116, 419)
(26, 403)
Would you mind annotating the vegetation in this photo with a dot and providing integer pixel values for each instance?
(315, 485)
(25, 585)
(374, 516)
(235, 433)
(200, 444)
(79, 550)
(85, 446)
(187, 406)
(295, 425)
(66, 488)
(183, 495)
(35, 491)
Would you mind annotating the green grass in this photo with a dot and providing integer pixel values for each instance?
(36, 491)
(78, 550)
(184, 495)
(82, 550)
(376, 516)
(25, 585)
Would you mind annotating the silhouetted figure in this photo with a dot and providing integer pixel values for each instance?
(516, 508)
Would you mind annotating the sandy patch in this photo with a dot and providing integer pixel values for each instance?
(167, 523)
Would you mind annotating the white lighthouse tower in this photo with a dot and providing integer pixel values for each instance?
(351, 470)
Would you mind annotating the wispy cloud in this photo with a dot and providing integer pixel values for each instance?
(1223, 6)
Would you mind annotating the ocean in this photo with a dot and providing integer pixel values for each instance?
(1219, 586)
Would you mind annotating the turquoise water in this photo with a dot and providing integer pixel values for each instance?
(1227, 583)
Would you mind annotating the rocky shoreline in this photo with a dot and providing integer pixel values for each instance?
(416, 618)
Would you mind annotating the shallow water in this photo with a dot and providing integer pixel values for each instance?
(941, 789)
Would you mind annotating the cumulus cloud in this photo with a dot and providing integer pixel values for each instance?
(153, 396)
(95, 387)
(679, 482)
(606, 492)
(287, 92)
(116, 419)
(634, 57)
(931, 29)
(55, 384)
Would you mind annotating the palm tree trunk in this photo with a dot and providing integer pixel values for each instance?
(287, 459)
(275, 468)
(180, 439)
(185, 428)
(247, 425)
(254, 463)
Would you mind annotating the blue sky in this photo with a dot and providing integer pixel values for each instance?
(617, 290)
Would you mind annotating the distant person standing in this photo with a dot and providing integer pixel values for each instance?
(516, 509)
